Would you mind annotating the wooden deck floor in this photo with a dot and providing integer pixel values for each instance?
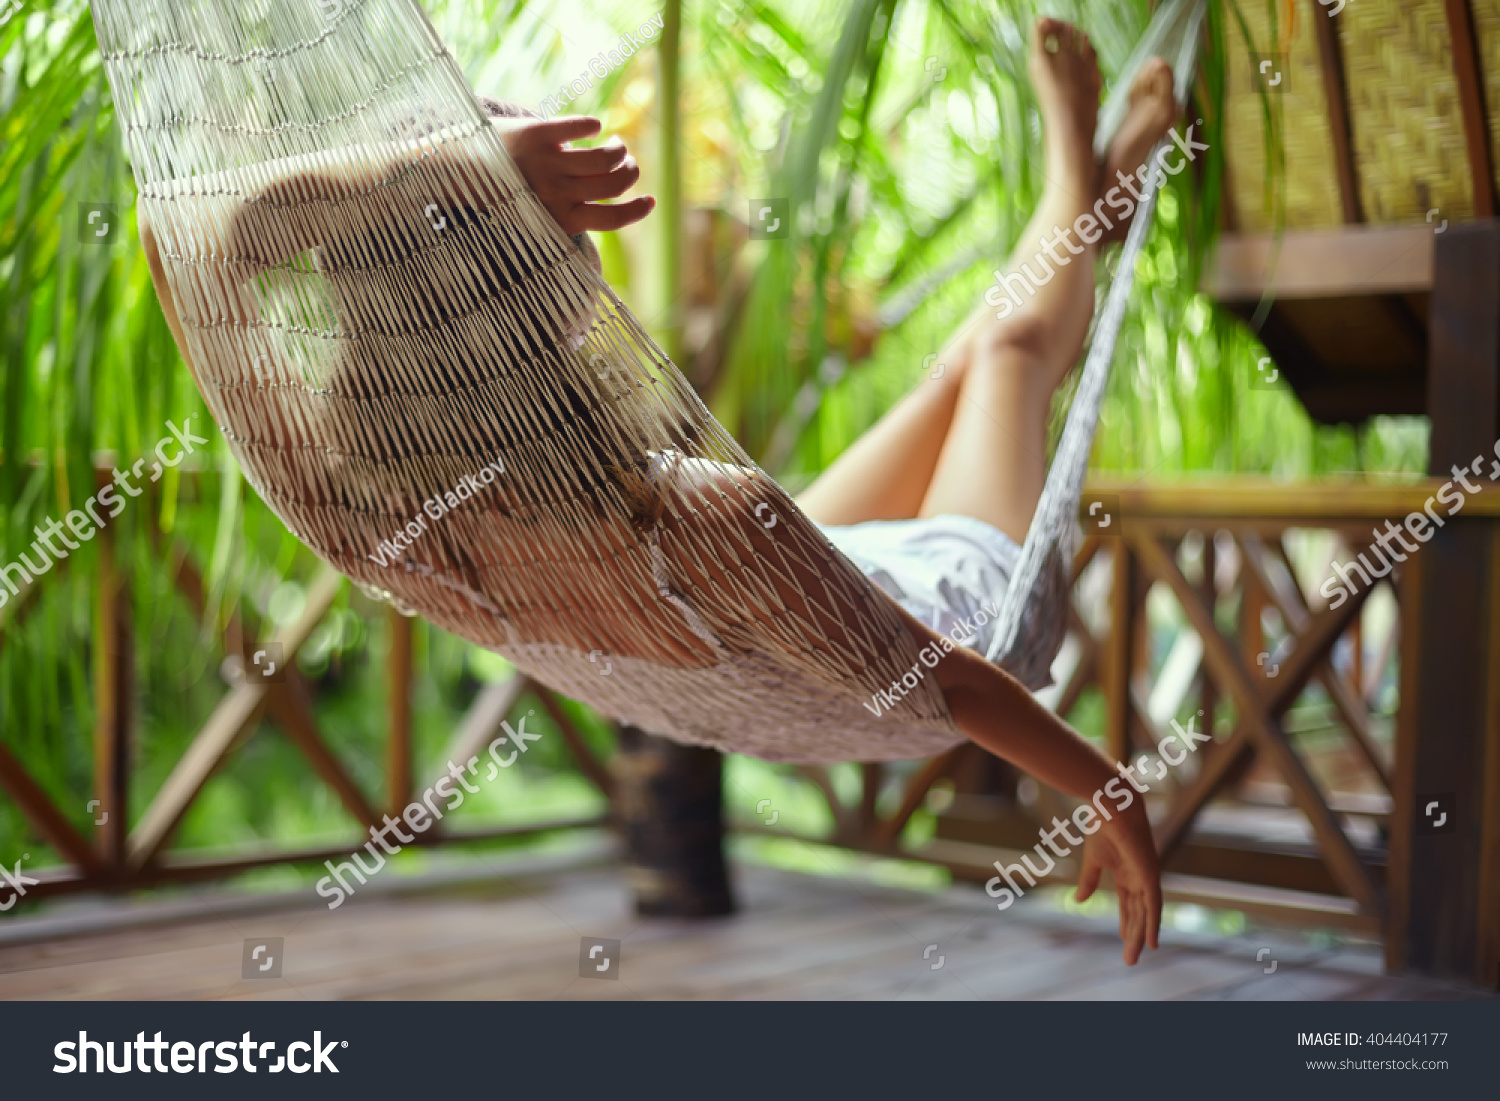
(796, 937)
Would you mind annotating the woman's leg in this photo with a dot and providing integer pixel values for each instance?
(908, 464)
(994, 460)
(884, 475)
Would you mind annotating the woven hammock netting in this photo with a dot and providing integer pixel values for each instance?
(426, 380)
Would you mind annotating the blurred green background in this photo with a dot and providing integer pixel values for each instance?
(904, 139)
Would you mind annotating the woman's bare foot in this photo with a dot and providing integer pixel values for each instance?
(1065, 77)
(1152, 109)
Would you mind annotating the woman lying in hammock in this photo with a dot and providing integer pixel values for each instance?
(930, 504)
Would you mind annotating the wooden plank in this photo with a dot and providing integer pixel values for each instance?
(588, 764)
(872, 776)
(1343, 861)
(1349, 704)
(1487, 950)
(480, 723)
(114, 678)
(232, 718)
(1230, 501)
(1445, 705)
(911, 798)
(196, 867)
(1398, 860)
(1469, 72)
(844, 827)
(1086, 553)
(1086, 672)
(44, 816)
(1214, 770)
(1336, 93)
(290, 705)
(1117, 665)
(1298, 907)
(398, 684)
(1463, 380)
(1321, 263)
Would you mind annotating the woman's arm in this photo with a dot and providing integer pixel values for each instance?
(997, 712)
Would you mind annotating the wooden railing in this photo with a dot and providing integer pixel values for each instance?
(1139, 540)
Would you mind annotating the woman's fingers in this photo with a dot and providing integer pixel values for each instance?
(592, 162)
(533, 135)
(611, 185)
(1088, 878)
(602, 217)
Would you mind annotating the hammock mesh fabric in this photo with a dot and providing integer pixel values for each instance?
(435, 391)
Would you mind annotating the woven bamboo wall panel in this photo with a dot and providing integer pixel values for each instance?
(1487, 29)
(1311, 187)
(1405, 111)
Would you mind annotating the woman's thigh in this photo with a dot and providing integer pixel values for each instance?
(885, 474)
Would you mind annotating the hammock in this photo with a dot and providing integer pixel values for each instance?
(422, 376)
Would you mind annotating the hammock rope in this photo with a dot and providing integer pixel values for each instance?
(430, 385)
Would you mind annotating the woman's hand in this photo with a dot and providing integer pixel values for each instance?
(572, 182)
(1124, 845)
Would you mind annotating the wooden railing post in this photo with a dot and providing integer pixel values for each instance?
(1121, 644)
(114, 662)
(398, 749)
(1445, 831)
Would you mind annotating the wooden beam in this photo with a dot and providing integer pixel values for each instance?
(1117, 663)
(1321, 263)
(291, 707)
(1398, 861)
(1487, 951)
(192, 867)
(1469, 72)
(916, 790)
(588, 764)
(114, 678)
(1215, 768)
(872, 776)
(481, 721)
(844, 827)
(1227, 502)
(43, 816)
(1448, 627)
(1336, 92)
(1270, 740)
(1085, 673)
(398, 684)
(235, 714)
(1346, 701)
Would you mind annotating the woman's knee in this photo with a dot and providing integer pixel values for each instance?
(1001, 345)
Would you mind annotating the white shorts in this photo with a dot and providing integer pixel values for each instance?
(943, 570)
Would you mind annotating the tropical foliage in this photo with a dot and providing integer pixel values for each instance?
(901, 137)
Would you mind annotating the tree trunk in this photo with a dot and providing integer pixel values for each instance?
(670, 802)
